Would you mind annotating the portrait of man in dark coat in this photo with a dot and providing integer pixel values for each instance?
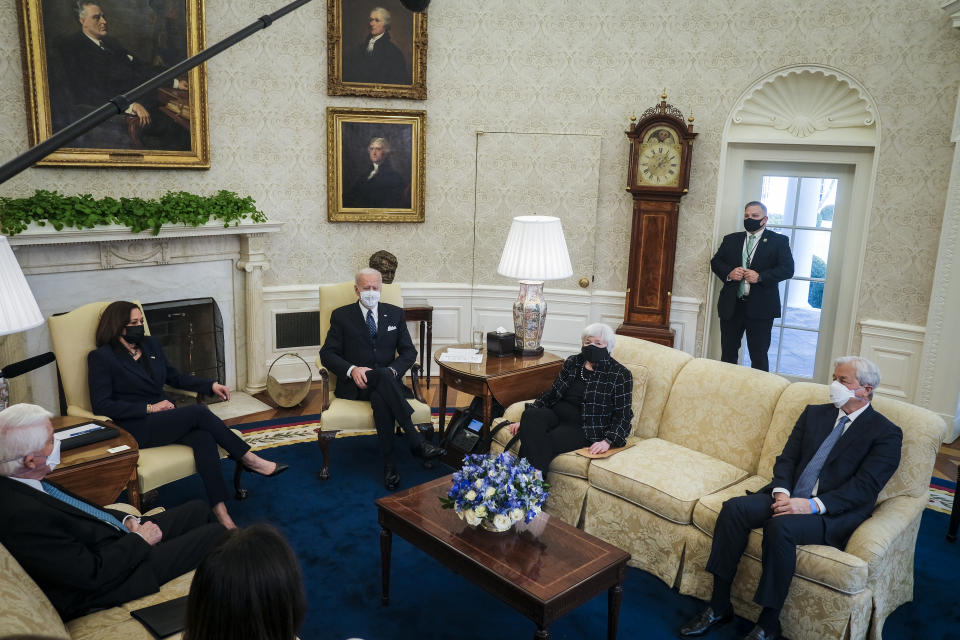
(376, 60)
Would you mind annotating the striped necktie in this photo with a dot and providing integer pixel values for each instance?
(808, 478)
(87, 508)
(751, 240)
(371, 326)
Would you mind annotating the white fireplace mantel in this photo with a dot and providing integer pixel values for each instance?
(54, 260)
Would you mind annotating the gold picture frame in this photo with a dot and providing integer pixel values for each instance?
(66, 74)
(394, 65)
(376, 160)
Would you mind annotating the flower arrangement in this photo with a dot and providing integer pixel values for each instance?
(496, 491)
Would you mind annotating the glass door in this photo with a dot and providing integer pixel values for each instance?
(809, 204)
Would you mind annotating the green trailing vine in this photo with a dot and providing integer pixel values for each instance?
(85, 212)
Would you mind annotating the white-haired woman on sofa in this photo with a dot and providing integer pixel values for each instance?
(589, 404)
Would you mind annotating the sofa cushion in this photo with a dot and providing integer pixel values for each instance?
(26, 610)
(357, 415)
(663, 364)
(790, 405)
(663, 477)
(722, 410)
(822, 564)
(923, 432)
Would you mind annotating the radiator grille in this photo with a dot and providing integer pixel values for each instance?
(298, 329)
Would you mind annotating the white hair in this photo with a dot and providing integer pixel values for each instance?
(599, 329)
(367, 271)
(868, 374)
(23, 430)
(383, 14)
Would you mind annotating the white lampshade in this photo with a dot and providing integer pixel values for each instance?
(535, 250)
(18, 308)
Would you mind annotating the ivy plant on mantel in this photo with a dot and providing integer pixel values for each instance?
(139, 214)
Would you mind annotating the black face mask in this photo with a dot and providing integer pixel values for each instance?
(134, 333)
(593, 353)
(752, 225)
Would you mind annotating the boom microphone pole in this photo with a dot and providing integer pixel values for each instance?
(120, 103)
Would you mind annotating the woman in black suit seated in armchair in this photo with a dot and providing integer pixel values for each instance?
(127, 372)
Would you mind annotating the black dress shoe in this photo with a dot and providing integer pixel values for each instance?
(757, 633)
(704, 622)
(277, 471)
(391, 477)
(429, 451)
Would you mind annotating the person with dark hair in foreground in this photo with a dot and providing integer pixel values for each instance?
(250, 587)
(127, 373)
(825, 483)
(81, 555)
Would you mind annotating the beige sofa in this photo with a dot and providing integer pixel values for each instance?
(26, 611)
(704, 431)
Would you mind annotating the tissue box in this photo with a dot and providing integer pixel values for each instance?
(500, 344)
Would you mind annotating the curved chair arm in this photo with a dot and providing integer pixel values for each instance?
(416, 372)
(872, 539)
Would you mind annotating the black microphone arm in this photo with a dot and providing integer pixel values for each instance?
(120, 103)
(26, 366)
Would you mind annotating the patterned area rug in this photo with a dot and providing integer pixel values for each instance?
(283, 431)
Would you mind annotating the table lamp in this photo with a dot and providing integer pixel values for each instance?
(535, 251)
(18, 309)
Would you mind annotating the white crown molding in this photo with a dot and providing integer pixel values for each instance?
(801, 101)
(953, 8)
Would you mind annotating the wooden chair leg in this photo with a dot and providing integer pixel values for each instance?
(241, 493)
(323, 439)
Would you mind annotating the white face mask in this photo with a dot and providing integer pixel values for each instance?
(54, 458)
(840, 394)
(370, 298)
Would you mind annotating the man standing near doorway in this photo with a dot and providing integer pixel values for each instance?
(751, 264)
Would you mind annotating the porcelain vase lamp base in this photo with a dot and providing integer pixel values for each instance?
(529, 314)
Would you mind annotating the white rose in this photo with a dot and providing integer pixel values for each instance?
(500, 521)
(471, 517)
(478, 483)
(481, 511)
(516, 515)
(471, 495)
(489, 492)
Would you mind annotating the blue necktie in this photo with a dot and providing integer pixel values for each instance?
(88, 509)
(371, 326)
(808, 478)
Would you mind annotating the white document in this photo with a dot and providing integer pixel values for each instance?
(80, 429)
(471, 356)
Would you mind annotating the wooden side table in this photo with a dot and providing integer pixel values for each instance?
(91, 471)
(423, 315)
(508, 379)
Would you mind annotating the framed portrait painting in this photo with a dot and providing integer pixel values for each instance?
(377, 49)
(375, 165)
(79, 55)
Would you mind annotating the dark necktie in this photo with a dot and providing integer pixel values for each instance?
(808, 478)
(371, 326)
(88, 509)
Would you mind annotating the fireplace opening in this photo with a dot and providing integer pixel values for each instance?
(191, 334)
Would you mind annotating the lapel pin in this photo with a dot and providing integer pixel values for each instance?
(764, 239)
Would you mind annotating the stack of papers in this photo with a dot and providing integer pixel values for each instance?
(77, 431)
(471, 356)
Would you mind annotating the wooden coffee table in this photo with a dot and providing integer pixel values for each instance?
(91, 471)
(542, 574)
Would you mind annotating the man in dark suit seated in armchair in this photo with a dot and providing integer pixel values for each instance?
(82, 556)
(369, 349)
(825, 484)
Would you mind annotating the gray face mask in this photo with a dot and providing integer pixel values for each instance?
(369, 298)
(54, 458)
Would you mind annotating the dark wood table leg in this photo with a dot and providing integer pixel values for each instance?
(954, 512)
(487, 412)
(429, 347)
(424, 357)
(386, 540)
(442, 403)
(614, 597)
(323, 439)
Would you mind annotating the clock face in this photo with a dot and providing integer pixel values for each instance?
(658, 164)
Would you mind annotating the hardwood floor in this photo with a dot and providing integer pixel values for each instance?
(945, 467)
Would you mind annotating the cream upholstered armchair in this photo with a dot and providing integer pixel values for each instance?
(354, 415)
(72, 334)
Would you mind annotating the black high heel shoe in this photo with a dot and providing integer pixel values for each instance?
(280, 469)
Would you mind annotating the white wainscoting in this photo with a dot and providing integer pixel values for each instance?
(896, 349)
(458, 308)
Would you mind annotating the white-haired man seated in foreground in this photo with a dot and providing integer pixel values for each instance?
(82, 556)
(825, 483)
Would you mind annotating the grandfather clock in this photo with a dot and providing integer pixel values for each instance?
(658, 176)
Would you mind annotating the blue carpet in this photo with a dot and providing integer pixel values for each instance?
(333, 528)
